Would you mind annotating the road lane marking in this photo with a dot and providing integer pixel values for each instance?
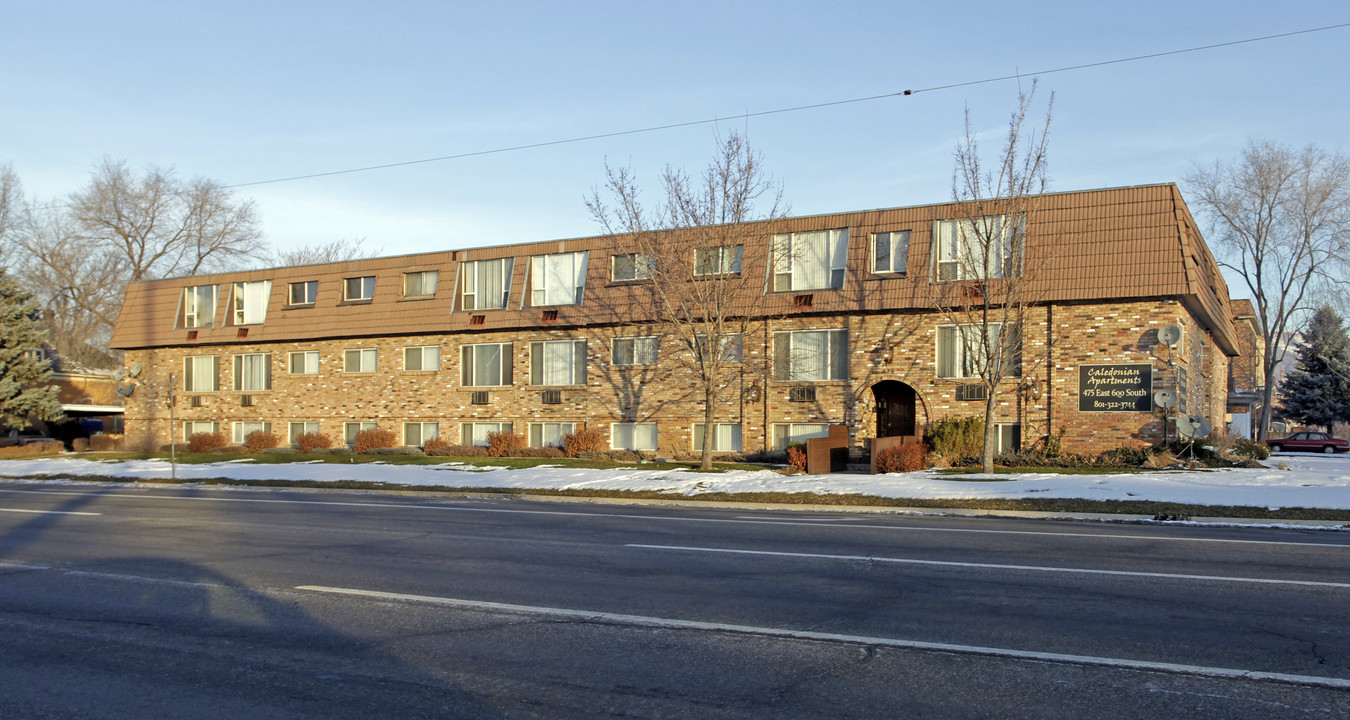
(48, 512)
(631, 516)
(671, 623)
(991, 566)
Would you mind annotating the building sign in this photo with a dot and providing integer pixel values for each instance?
(1115, 388)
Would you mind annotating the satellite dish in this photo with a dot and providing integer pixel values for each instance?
(126, 390)
(1193, 426)
(136, 370)
(119, 374)
(1184, 426)
(1202, 426)
(1165, 398)
(1169, 335)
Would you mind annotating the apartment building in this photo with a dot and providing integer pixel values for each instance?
(851, 328)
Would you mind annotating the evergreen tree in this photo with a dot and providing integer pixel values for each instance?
(1317, 392)
(25, 391)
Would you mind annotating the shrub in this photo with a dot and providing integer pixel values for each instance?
(902, 458)
(1124, 457)
(203, 442)
(797, 457)
(309, 442)
(540, 452)
(504, 444)
(259, 440)
(956, 437)
(771, 457)
(340, 450)
(612, 455)
(368, 440)
(583, 440)
(79, 444)
(104, 443)
(32, 449)
(459, 451)
(1254, 449)
(400, 450)
(432, 444)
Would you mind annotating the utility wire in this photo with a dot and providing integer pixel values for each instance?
(779, 111)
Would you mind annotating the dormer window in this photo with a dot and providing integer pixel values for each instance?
(487, 284)
(250, 302)
(809, 260)
(420, 284)
(558, 279)
(199, 306)
(890, 250)
(357, 289)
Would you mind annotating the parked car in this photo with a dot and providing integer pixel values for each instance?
(1309, 441)
(14, 437)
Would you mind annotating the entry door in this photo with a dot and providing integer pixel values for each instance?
(895, 408)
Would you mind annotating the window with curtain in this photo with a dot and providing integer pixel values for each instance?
(250, 302)
(558, 362)
(351, 429)
(201, 373)
(199, 306)
(360, 360)
(427, 357)
(420, 284)
(253, 372)
(633, 436)
(807, 355)
(632, 266)
(485, 365)
(726, 437)
(961, 350)
(785, 434)
(297, 429)
(975, 248)
(487, 284)
(358, 288)
(418, 433)
(721, 260)
(733, 347)
(558, 279)
(192, 427)
(634, 351)
(549, 434)
(476, 433)
(242, 429)
(890, 251)
(305, 362)
(810, 260)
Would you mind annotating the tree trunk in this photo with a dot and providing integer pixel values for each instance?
(709, 432)
(990, 434)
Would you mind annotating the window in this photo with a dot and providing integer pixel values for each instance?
(193, 427)
(358, 288)
(305, 362)
(633, 266)
(487, 284)
(304, 293)
(1007, 437)
(557, 279)
(634, 351)
(633, 436)
(351, 429)
(476, 433)
(889, 251)
(809, 261)
(427, 357)
(961, 350)
(558, 362)
(785, 434)
(733, 348)
(359, 361)
(420, 284)
(199, 306)
(726, 437)
(974, 248)
(548, 434)
(300, 428)
(242, 429)
(250, 302)
(253, 372)
(487, 365)
(201, 373)
(721, 260)
(807, 355)
(418, 433)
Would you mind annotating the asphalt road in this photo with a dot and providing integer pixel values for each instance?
(191, 603)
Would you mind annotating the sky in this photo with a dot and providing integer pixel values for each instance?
(248, 92)
(1288, 480)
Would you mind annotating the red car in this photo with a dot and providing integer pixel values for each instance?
(1309, 442)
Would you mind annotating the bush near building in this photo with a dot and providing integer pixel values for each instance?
(368, 440)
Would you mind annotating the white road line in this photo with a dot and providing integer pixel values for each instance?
(630, 516)
(991, 566)
(48, 512)
(669, 623)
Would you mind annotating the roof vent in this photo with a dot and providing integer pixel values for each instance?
(477, 319)
(803, 301)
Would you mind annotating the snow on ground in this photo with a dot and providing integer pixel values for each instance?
(1291, 480)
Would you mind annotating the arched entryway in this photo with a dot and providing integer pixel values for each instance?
(895, 403)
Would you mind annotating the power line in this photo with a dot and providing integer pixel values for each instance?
(779, 111)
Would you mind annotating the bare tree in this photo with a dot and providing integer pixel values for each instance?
(985, 279)
(11, 203)
(1281, 220)
(325, 252)
(687, 255)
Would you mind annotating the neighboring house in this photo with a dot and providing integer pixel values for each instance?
(88, 398)
(542, 338)
(1245, 377)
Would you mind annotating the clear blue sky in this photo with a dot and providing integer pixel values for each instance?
(249, 91)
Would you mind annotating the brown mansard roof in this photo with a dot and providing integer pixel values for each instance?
(1101, 245)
